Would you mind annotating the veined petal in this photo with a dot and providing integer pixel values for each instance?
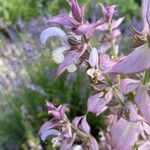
(128, 85)
(49, 105)
(115, 33)
(145, 15)
(114, 24)
(109, 95)
(63, 20)
(66, 131)
(124, 134)
(53, 32)
(133, 113)
(81, 122)
(96, 103)
(104, 47)
(106, 63)
(144, 146)
(87, 28)
(143, 101)
(82, 12)
(85, 126)
(50, 132)
(76, 121)
(48, 125)
(136, 62)
(93, 145)
(146, 128)
(76, 10)
(67, 143)
(148, 14)
(71, 58)
(103, 27)
(108, 10)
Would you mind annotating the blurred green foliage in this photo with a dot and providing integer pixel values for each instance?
(10, 10)
(128, 8)
(23, 113)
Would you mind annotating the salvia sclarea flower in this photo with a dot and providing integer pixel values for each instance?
(110, 27)
(139, 59)
(67, 134)
(74, 46)
(126, 98)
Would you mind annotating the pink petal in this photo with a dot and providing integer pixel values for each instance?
(148, 14)
(145, 146)
(51, 132)
(109, 95)
(114, 25)
(55, 113)
(82, 11)
(53, 32)
(96, 104)
(145, 15)
(128, 85)
(71, 58)
(124, 134)
(133, 113)
(76, 10)
(67, 143)
(143, 101)
(85, 126)
(108, 10)
(76, 121)
(81, 122)
(136, 62)
(87, 28)
(104, 47)
(62, 109)
(93, 145)
(67, 131)
(103, 27)
(146, 128)
(116, 33)
(63, 20)
(104, 10)
(48, 125)
(50, 105)
(106, 63)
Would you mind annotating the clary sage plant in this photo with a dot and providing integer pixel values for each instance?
(121, 84)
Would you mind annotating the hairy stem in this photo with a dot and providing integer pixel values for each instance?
(80, 133)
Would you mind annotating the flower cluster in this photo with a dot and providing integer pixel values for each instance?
(66, 132)
(120, 83)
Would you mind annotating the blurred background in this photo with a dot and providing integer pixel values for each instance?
(27, 72)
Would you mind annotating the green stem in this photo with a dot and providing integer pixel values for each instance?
(117, 99)
(82, 134)
(114, 50)
(146, 77)
(107, 78)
